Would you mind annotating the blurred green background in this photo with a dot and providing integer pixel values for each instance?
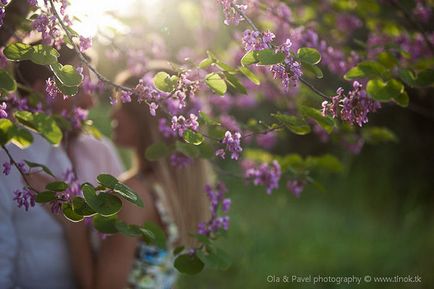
(373, 219)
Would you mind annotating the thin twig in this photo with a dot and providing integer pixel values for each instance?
(23, 175)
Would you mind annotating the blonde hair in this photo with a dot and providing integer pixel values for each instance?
(183, 188)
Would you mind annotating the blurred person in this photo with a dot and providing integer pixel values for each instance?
(34, 251)
(173, 197)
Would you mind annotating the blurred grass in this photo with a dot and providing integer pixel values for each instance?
(367, 222)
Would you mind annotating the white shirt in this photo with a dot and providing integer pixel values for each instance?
(33, 250)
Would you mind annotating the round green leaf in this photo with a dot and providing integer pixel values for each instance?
(387, 91)
(58, 186)
(249, 58)
(6, 81)
(69, 213)
(107, 180)
(18, 51)
(295, 124)
(6, 129)
(45, 197)
(326, 122)
(187, 149)
(44, 55)
(22, 138)
(193, 137)
(216, 83)
(128, 230)
(188, 264)
(269, 57)
(66, 90)
(128, 194)
(309, 55)
(81, 208)
(106, 225)
(66, 74)
(164, 82)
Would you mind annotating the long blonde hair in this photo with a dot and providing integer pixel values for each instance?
(184, 188)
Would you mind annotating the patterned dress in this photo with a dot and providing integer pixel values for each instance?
(153, 266)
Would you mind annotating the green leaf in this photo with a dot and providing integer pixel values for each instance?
(249, 58)
(66, 74)
(325, 162)
(6, 129)
(128, 194)
(408, 77)
(215, 259)
(205, 63)
(387, 91)
(57, 186)
(81, 208)
(314, 69)
(326, 122)
(44, 168)
(107, 180)
(193, 137)
(262, 57)
(309, 55)
(18, 51)
(157, 151)
(367, 69)
(69, 213)
(250, 75)
(376, 135)
(206, 119)
(106, 225)
(45, 197)
(216, 83)
(295, 124)
(104, 204)
(187, 149)
(7, 83)
(235, 83)
(22, 138)
(164, 82)
(128, 230)
(188, 264)
(90, 129)
(44, 55)
(159, 237)
(425, 78)
(178, 250)
(66, 90)
(42, 123)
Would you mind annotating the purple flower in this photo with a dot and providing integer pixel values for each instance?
(51, 89)
(352, 108)
(180, 160)
(73, 190)
(165, 129)
(296, 186)
(25, 197)
(85, 43)
(22, 167)
(290, 72)
(3, 112)
(32, 2)
(231, 15)
(79, 115)
(180, 124)
(217, 199)
(7, 168)
(126, 96)
(255, 40)
(147, 93)
(233, 145)
(266, 175)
